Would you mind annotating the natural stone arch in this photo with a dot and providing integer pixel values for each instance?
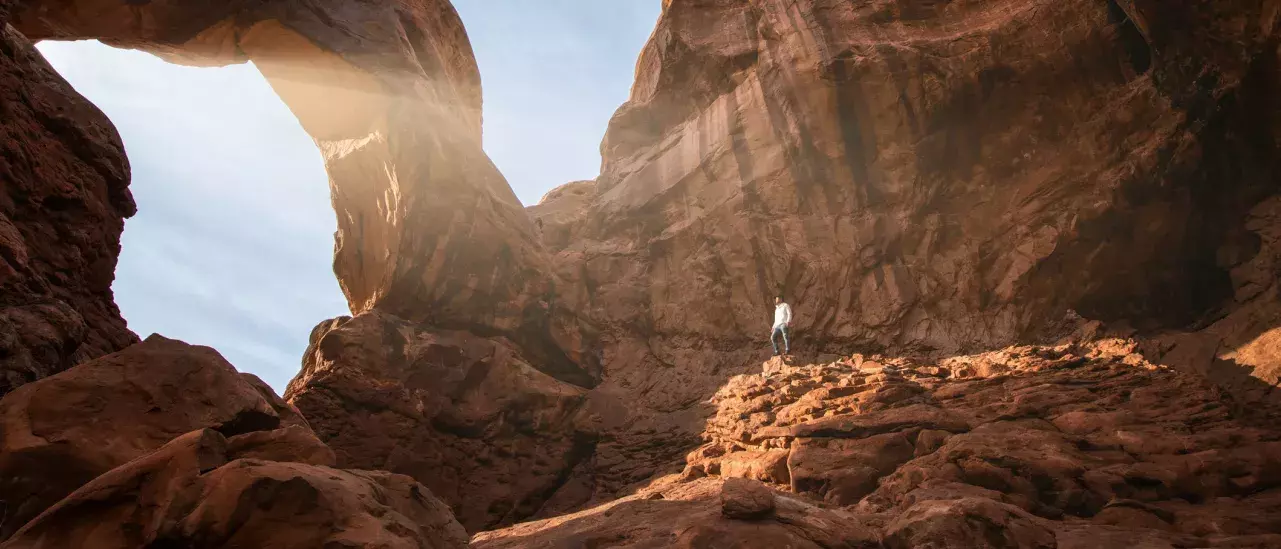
(428, 229)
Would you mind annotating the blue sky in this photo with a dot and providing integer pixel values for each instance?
(233, 241)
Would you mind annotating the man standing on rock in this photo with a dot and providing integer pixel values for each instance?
(782, 319)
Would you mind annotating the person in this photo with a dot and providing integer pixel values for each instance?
(782, 319)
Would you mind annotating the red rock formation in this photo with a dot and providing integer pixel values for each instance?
(703, 514)
(560, 213)
(926, 177)
(198, 492)
(64, 194)
(929, 178)
(469, 417)
(164, 444)
(428, 229)
(1072, 446)
(58, 433)
(923, 176)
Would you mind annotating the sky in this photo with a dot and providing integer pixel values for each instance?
(233, 241)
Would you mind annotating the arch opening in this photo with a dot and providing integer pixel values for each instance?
(232, 240)
(428, 229)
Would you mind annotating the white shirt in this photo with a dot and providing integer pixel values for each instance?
(782, 315)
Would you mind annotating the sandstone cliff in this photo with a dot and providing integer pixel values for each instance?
(925, 177)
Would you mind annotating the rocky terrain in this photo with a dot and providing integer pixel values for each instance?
(1072, 446)
(1090, 185)
(926, 178)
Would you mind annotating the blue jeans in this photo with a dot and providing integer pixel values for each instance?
(773, 339)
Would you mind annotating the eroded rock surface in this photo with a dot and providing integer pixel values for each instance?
(467, 416)
(64, 194)
(164, 444)
(196, 491)
(59, 433)
(690, 516)
(1074, 446)
(1014, 448)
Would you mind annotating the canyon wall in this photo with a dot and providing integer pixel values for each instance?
(924, 178)
(929, 176)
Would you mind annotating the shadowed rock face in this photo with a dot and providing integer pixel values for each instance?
(60, 432)
(930, 175)
(164, 444)
(64, 194)
(197, 491)
(468, 416)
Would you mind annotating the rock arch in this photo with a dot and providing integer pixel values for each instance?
(428, 229)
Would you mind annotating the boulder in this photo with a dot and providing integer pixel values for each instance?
(746, 500)
(59, 433)
(467, 416)
(197, 492)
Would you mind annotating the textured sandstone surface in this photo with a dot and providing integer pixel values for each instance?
(925, 177)
(703, 514)
(467, 416)
(197, 492)
(64, 194)
(164, 444)
(1073, 446)
(58, 433)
